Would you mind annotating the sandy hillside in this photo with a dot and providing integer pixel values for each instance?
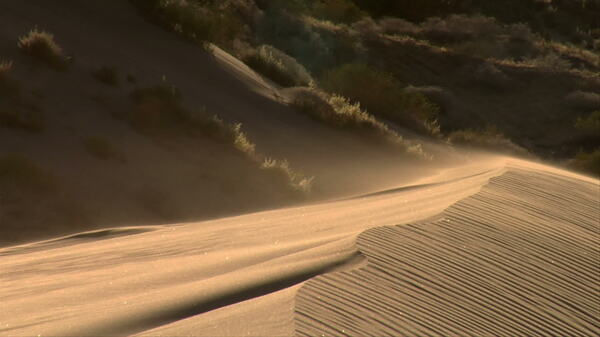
(140, 179)
(497, 248)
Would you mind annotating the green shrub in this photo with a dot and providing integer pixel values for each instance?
(101, 148)
(380, 94)
(41, 46)
(278, 66)
(20, 173)
(486, 139)
(588, 162)
(106, 75)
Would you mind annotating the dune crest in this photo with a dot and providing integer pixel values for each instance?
(519, 258)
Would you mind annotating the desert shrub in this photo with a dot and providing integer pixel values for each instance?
(107, 75)
(200, 21)
(41, 46)
(339, 112)
(588, 162)
(101, 148)
(381, 94)
(590, 124)
(278, 66)
(486, 139)
(20, 173)
(296, 38)
(184, 17)
(295, 179)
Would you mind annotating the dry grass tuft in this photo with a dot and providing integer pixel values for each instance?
(278, 66)
(381, 94)
(339, 112)
(41, 46)
(5, 67)
(296, 180)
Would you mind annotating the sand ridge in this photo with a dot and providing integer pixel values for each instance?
(172, 278)
(519, 258)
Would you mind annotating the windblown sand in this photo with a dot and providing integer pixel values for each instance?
(510, 249)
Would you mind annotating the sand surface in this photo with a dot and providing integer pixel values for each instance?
(500, 247)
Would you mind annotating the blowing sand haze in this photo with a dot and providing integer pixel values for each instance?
(299, 168)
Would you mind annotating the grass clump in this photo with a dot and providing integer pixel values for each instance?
(339, 112)
(381, 94)
(487, 139)
(278, 66)
(20, 173)
(41, 46)
(159, 110)
(107, 75)
(298, 181)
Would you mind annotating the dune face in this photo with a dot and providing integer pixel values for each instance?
(519, 258)
(173, 184)
(511, 249)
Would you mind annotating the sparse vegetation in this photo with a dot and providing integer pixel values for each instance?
(41, 46)
(295, 179)
(339, 112)
(18, 172)
(159, 109)
(101, 148)
(381, 94)
(278, 67)
(107, 75)
(486, 139)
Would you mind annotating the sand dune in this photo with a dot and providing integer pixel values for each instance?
(519, 258)
(511, 250)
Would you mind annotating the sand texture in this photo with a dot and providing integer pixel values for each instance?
(510, 249)
(519, 258)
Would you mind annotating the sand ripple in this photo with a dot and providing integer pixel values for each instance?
(519, 258)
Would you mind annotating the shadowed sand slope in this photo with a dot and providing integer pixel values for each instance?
(519, 258)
